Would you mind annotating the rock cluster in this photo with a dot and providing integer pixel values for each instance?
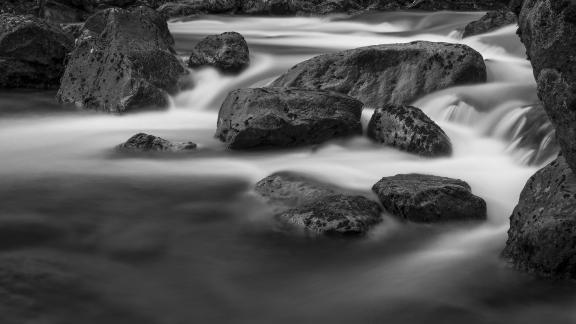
(304, 203)
(124, 60)
(279, 117)
(227, 52)
(429, 199)
(143, 143)
(409, 129)
(390, 73)
(489, 22)
(32, 52)
(542, 231)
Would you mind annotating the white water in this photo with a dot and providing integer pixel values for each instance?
(476, 118)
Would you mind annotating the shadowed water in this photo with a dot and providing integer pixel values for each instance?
(183, 240)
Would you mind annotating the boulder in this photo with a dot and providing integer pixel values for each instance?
(491, 21)
(302, 202)
(547, 29)
(457, 4)
(141, 143)
(227, 52)
(429, 199)
(389, 74)
(409, 129)
(32, 52)
(542, 235)
(279, 117)
(123, 61)
(197, 7)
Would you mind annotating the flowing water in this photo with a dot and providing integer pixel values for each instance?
(182, 239)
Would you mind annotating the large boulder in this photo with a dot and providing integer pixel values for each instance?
(409, 129)
(389, 74)
(32, 52)
(227, 52)
(542, 235)
(302, 202)
(145, 143)
(490, 22)
(123, 61)
(279, 117)
(547, 28)
(429, 199)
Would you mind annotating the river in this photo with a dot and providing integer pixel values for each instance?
(183, 240)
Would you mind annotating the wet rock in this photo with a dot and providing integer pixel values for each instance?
(198, 7)
(302, 202)
(490, 22)
(278, 117)
(542, 235)
(74, 30)
(293, 189)
(457, 4)
(389, 74)
(429, 199)
(32, 52)
(142, 143)
(409, 129)
(124, 61)
(547, 28)
(228, 52)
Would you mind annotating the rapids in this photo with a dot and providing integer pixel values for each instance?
(222, 259)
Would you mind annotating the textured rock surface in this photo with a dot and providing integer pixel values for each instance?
(489, 22)
(429, 199)
(314, 206)
(547, 28)
(278, 117)
(542, 235)
(149, 143)
(123, 61)
(32, 52)
(389, 74)
(228, 52)
(409, 129)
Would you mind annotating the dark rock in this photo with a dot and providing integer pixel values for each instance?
(547, 28)
(293, 189)
(198, 7)
(335, 215)
(141, 142)
(228, 52)
(429, 199)
(489, 22)
(20, 7)
(305, 203)
(389, 74)
(123, 61)
(74, 30)
(542, 235)
(409, 129)
(281, 117)
(32, 52)
(458, 4)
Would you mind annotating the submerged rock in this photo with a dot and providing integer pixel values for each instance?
(277, 117)
(227, 52)
(429, 199)
(490, 22)
(305, 203)
(123, 61)
(409, 129)
(547, 28)
(141, 143)
(542, 235)
(389, 74)
(32, 52)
